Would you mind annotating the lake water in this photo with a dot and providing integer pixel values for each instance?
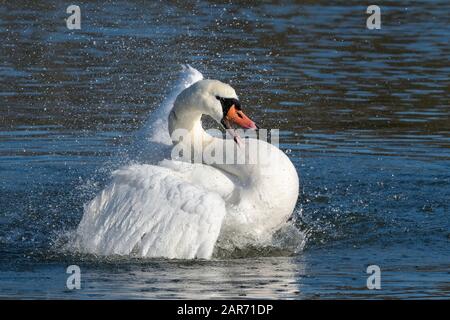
(364, 116)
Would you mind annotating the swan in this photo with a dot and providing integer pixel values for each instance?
(177, 208)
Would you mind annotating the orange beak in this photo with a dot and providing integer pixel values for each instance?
(238, 117)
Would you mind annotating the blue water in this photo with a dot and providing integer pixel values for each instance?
(364, 117)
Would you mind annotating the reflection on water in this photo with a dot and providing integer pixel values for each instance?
(305, 276)
(364, 116)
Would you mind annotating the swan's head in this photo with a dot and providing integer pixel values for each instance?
(219, 100)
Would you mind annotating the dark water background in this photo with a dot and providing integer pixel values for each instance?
(364, 116)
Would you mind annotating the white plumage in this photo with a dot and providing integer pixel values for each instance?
(181, 210)
(152, 211)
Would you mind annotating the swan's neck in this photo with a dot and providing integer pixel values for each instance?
(185, 127)
(185, 122)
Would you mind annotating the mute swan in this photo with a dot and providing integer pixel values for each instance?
(178, 209)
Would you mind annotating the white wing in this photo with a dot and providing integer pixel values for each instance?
(152, 142)
(152, 211)
(156, 127)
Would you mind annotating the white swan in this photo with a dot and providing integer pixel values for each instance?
(178, 209)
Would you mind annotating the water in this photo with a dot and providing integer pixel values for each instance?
(364, 117)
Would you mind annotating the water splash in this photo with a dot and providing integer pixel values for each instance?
(150, 211)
